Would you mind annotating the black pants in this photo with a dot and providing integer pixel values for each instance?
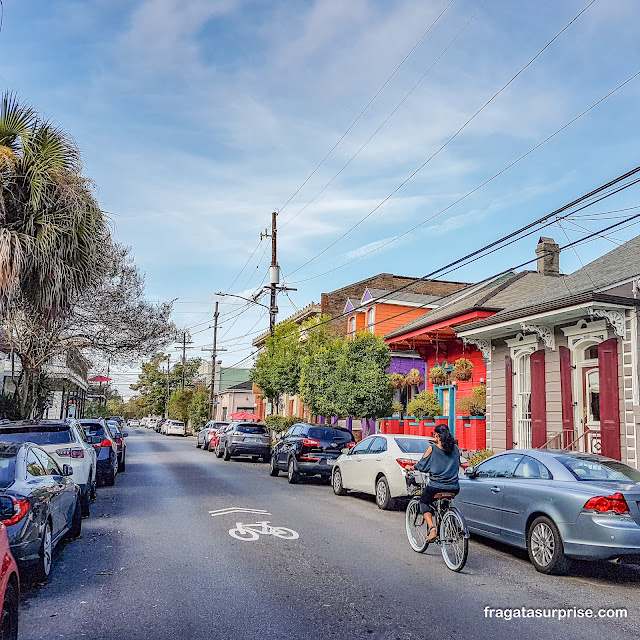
(426, 499)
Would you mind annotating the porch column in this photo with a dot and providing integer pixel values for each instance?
(350, 424)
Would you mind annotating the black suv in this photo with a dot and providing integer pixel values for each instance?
(308, 449)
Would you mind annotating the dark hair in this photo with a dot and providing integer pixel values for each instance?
(446, 439)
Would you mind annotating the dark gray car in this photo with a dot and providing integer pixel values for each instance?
(556, 504)
(244, 439)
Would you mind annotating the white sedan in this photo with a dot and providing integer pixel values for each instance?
(377, 465)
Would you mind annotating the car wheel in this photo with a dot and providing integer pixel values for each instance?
(76, 521)
(198, 445)
(93, 494)
(383, 495)
(545, 547)
(45, 555)
(293, 475)
(266, 458)
(122, 466)
(85, 501)
(273, 467)
(336, 483)
(111, 478)
(226, 456)
(218, 451)
(9, 622)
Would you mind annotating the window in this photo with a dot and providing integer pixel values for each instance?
(588, 468)
(297, 430)
(371, 319)
(531, 469)
(522, 435)
(352, 326)
(362, 446)
(34, 468)
(7, 469)
(500, 467)
(250, 428)
(379, 445)
(39, 435)
(413, 445)
(49, 466)
(330, 433)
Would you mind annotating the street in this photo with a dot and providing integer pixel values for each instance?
(153, 563)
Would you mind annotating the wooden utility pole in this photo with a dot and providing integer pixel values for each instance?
(274, 274)
(166, 404)
(214, 352)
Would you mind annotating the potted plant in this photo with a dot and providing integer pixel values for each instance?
(425, 405)
(462, 369)
(396, 380)
(413, 378)
(398, 407)
(437, 375)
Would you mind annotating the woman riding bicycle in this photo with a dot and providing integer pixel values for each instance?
(442, 463)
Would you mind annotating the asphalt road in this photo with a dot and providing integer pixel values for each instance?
(153, 564)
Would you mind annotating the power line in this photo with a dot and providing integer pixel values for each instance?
(386, 82)
(474, 190)
(445, 144)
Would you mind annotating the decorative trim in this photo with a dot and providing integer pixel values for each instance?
(544, 331)
(483, 345)
(614, 318)
(523, 341)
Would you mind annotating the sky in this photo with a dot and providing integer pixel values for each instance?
(198, 118)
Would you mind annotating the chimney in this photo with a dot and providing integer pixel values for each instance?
(548, 253)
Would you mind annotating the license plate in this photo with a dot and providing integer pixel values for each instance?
(253, 440)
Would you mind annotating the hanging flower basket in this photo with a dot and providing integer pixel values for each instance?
(413, 378)
(397, 380)
(462, 369)
(437, 375)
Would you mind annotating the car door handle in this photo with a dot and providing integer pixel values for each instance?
(495, 489)
(378, 459)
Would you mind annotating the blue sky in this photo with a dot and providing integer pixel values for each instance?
(197, 118)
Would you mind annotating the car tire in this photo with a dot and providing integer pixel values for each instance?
(293, 475)
(383, 495)
(93, 494)
(545, 548)
(75, 530)
(111, 479)
(42, 570)
(85, 502)
(266, 459)
(218, 451)
(9, 621)
(226, 456)
(198, 445)
(336, 482)
(273, 467)
(122, 466)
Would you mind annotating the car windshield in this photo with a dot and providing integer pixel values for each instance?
(39, 435)
(330, 433)
(589, 468)
(7, 469)
(251, 428)
(115, 427)
(413, 445)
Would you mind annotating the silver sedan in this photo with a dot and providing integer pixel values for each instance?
(557, 504)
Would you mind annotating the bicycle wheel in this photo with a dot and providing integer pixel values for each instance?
(454, 541)
(284, 533)
(240, 533)
(416, 527)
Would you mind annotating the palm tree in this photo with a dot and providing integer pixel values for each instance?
(53, 235)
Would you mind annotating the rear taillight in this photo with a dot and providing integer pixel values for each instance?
(70, 453)
(350, 445)
(604, 504)
(310, 442)
(237, 433)
(405, 462)
(20, 508)
(211, 433)
(105, 443)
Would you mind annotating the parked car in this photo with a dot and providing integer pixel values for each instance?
(244, 439)
(557, 504)
(174, 428)
(121, 445)
(134, 423)
(99, 434)
(66, 444)
(9, 589)
(159, 424)
(206, 434)
(309, 450)
(377, 464)
(39, 504)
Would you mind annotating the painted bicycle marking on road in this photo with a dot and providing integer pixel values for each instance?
(252, 532)
(230, 510)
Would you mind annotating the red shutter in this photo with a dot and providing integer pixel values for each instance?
(567, 397)
(538, 400)
(609, 403)
(508, 393)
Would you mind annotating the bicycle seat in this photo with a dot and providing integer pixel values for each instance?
(444, 494)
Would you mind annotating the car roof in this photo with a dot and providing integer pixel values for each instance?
(10, 448)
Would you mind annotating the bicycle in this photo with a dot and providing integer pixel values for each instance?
(251, 532)
(452, 535)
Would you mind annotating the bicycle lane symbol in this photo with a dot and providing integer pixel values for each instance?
(252, 532)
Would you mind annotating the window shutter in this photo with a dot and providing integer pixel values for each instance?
(566, 393)
(508, 392)
(609, 403)
(538, 400)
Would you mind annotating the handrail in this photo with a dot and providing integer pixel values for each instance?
(587, 431)
(555, 436)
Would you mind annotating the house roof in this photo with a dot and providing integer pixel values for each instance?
(492, 294)
(241, 386)
(398, 297)
(588, 283)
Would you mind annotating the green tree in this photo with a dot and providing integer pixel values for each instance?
(93, 410)
(178, 405)
(425, 405)
(199, 409)
(115, 405)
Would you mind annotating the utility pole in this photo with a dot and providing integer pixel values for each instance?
(274, 274)
(106, 388)
(166, 404)
(184, 355)
(213, 361)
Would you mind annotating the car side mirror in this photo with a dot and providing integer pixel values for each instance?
(125, 434)
(67, 470)
(470, 472)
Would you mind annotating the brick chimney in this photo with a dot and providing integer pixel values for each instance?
(548, 253)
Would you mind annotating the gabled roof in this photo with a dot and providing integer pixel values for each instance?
(398, 297)
(352, 304)
(588, 283)
(241, 386)
(494, 294)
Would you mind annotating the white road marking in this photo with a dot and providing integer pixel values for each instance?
(229, 510)
(252, 532)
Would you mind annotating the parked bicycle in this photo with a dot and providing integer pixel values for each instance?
(452, 534)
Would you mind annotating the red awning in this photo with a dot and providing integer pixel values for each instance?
(244, 415)
(99, 379)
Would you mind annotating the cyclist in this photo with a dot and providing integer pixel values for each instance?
(442, 462)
